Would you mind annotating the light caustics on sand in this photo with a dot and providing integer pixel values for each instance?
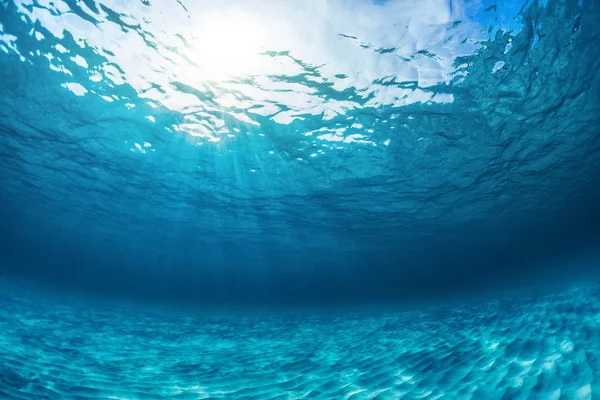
(544, 347)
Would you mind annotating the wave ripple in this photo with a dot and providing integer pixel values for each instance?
(349, 152)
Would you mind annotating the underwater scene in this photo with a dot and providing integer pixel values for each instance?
(316, 199)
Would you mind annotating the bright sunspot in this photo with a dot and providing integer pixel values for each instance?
(228, 44)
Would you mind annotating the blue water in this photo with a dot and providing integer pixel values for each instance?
(322, 158)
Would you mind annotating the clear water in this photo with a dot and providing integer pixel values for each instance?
(258, 155)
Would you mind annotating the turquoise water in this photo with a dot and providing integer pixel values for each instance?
(239, 152)
(292, 170)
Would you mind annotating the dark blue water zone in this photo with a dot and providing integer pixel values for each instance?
(281, 177)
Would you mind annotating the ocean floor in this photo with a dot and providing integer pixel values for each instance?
(542, 348)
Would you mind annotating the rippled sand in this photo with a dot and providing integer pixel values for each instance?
(545, 348)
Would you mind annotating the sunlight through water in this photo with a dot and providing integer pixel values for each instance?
(354, 199)
(368, 131)
(227, 45)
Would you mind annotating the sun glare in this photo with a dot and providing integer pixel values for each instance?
(228, 44)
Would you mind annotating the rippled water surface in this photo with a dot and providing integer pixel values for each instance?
(168, 139)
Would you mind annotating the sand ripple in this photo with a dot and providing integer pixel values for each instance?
(542, 348)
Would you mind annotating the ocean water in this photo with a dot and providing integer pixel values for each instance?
(316, 199)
